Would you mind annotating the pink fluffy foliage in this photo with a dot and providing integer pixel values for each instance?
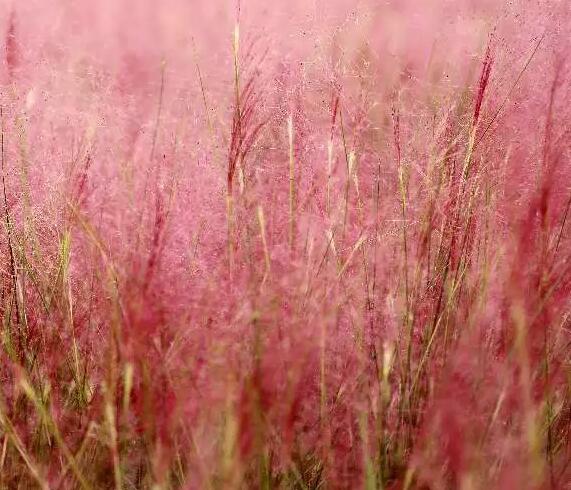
(285, 244)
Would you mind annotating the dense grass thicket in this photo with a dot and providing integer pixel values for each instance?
(303, 244)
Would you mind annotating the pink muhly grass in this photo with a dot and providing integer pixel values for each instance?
(288, 245)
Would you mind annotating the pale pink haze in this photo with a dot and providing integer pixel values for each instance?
(306, 244)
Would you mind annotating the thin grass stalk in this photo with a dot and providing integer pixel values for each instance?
(262, 223)
(53, 428)
(9, 231)
(14, 438)
(292, 229)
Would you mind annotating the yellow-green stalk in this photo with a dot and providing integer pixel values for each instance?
(291, 184)
(262, 223)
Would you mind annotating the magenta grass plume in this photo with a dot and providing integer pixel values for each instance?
(297, 244)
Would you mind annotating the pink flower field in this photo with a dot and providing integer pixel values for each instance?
(303, 244)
